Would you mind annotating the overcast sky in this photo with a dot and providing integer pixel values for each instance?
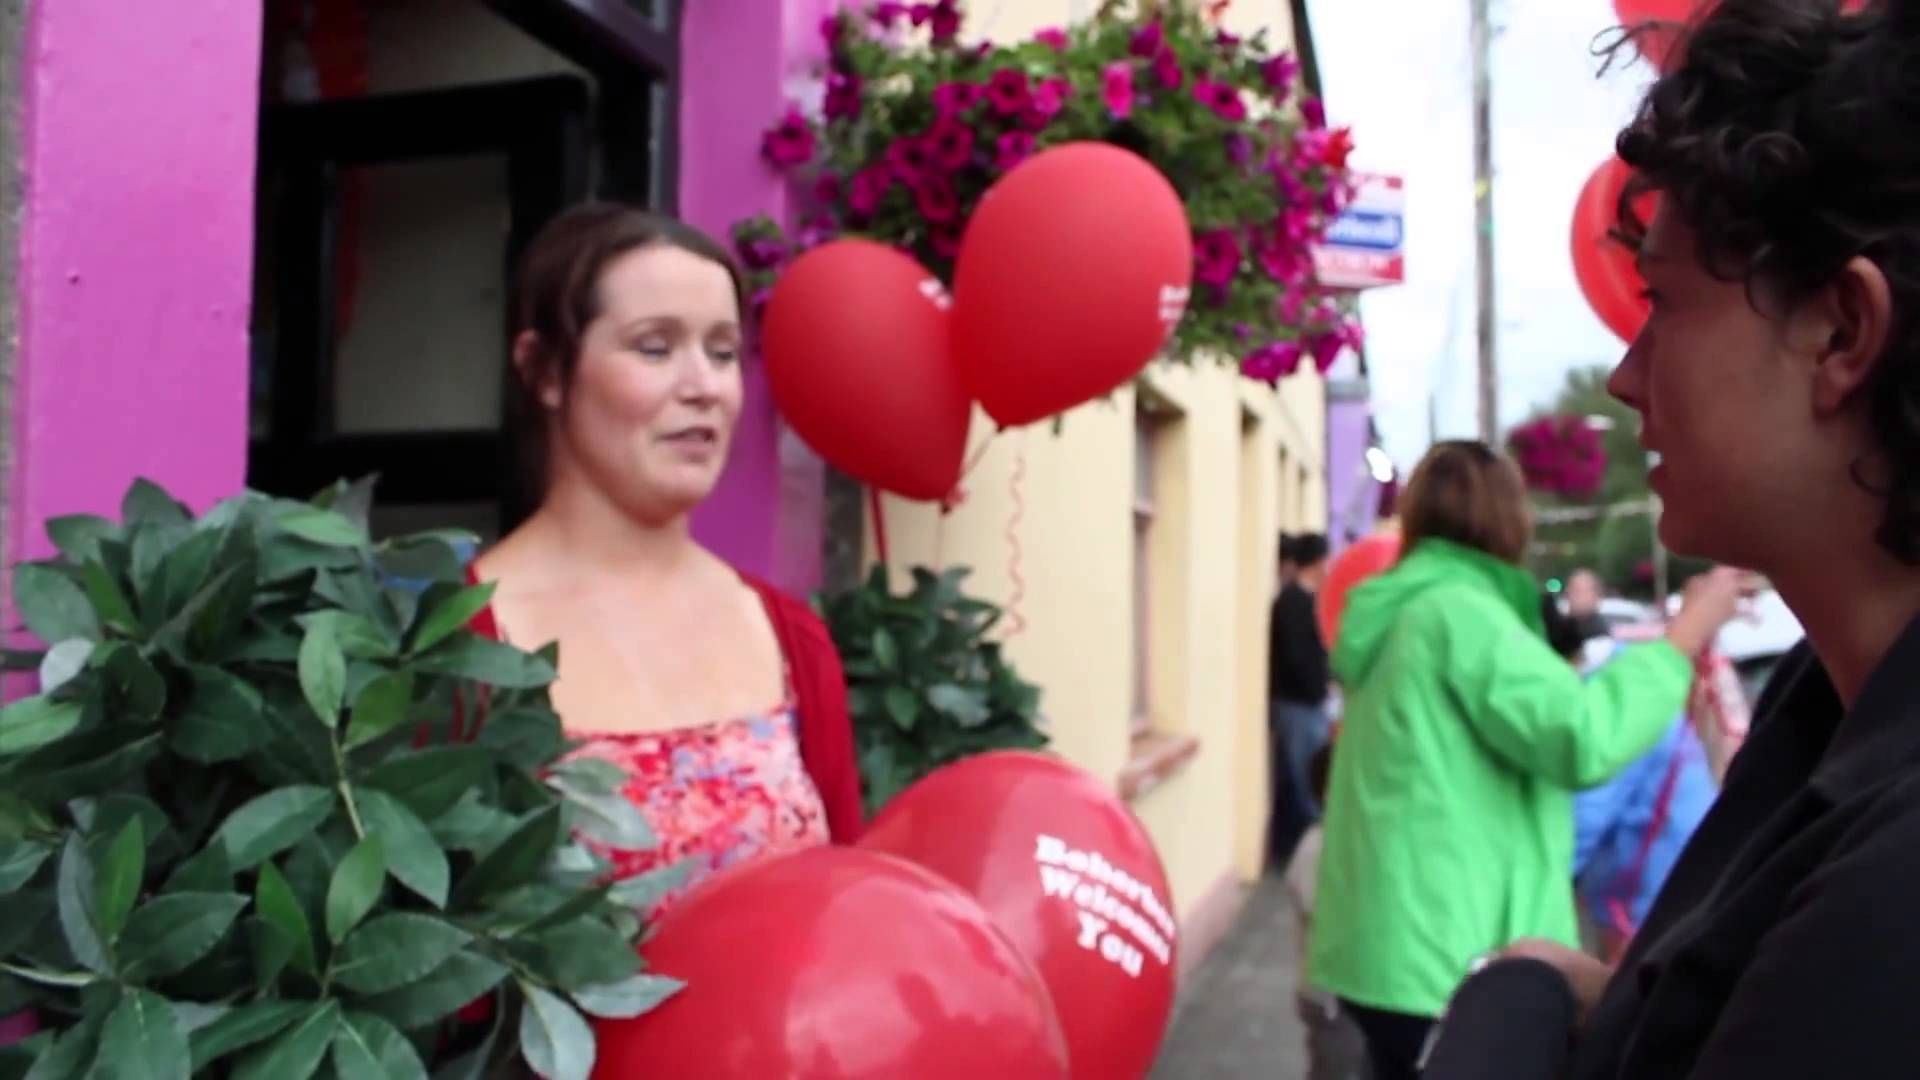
(1398, 71)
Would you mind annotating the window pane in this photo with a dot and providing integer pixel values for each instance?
(648, 8)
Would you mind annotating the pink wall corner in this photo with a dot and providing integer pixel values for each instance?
(136, 254)
(737, 70)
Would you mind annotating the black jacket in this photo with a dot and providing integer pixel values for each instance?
(1786, 942)
(1296, 657)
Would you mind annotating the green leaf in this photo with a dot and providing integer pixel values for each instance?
(609, 818)
(31, 723)
(274, 899)
(223, 719)
(147, 503)
(414, 857)
(167, 934)
(323, 672)
(516, 861)
(885, 652)
(582, 953)
(323, 527)
(116, 885)
(272, 823)
(484, 660)
(136, 692)
(270, 948)
(367, 1046)
(73, 894)
(143, 1040)
(556, 1040)
(20, 860)
(241, 1027)
(471, 826)
(358, 636)
(431, 781)
(52, 605)
(903, 705)
(450, 616)
(181, 574)
(444, 991)
(62, 662)
(966, 707)
(382, 706)
(296, 1052)
(69, 768)
(642, 891)
(392, 951)
(355, 887)
(78, 536)
(205, 872)
(73, 1054)
(627, 998)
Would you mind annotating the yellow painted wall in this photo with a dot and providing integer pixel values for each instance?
(1222, 497)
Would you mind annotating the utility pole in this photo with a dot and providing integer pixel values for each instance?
(1483, 223)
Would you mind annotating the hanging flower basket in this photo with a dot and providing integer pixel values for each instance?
(1560, 455)
(915, 126)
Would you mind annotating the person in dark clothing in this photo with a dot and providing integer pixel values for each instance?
(1297, 681)
(1776, 377)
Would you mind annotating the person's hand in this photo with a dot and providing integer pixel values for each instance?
(1710, 600)
(1585, 974)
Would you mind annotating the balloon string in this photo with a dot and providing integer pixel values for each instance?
(1016, 622)
(878, 510)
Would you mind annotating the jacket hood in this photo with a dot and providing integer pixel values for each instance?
(1372, 606)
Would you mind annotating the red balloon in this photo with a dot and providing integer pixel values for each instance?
(836, 964)
(1071, 274)
(1071, 877)
(1605, 270)
(857, 345)
(1361, 560)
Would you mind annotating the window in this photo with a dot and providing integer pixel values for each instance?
(1141, 715)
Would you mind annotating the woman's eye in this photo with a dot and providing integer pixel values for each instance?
(724, 354)
(653, 346)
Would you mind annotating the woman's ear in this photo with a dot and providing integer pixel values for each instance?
(537, 370)
(1854, 317)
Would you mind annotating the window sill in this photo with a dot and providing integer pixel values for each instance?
(1155, 756)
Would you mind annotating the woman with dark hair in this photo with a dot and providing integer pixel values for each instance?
(1778, 377)
(1449, 820)
(721, 698)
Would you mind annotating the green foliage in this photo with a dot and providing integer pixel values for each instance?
(238, 838)
(925, 683)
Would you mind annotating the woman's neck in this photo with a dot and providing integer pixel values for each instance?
(594, 534)
(1853, 610)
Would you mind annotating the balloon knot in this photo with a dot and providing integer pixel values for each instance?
(953, 499)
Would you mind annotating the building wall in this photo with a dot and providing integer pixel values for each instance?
(1047, 526)
(132, 270)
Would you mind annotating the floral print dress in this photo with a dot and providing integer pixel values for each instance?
(716, 795)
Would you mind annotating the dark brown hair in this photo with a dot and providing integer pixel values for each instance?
(1467, 493)
(556, 296)
(1788, 138)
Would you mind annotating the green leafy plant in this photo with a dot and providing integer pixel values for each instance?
(915, 126)
(276, 813)
(926, 684)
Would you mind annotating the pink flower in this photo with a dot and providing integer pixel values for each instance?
(1314, 113)
(1048, 98)
(1279, 73)
(1284, 263)
(950, 144)
(1053, 38)
(1011, 149)
(827, 189)
(1271, 362)
(830, 30)
(868, 188)
(843, 96)
(887, 14)
(1148, 40)
(1326, 348)
(910, 157)
(944, 23)
(1009, 91)
(1216, 257)
(816, 231)
(790, 143)
(1166, 68)
(1116, 87)
(938, 203)
(1239, 148)
(762, 253)
(920, 13)
(946, 240)
(954, 98)
(1222, 98)
(1225, 42)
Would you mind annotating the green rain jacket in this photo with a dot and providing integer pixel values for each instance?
(1449, 817)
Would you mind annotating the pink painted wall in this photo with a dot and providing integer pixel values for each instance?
(739, 69)
(136, 251)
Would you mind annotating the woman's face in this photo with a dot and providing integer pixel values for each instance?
(1724, 394)
(656, 391)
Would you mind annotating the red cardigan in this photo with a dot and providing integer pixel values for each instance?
(825, 728)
